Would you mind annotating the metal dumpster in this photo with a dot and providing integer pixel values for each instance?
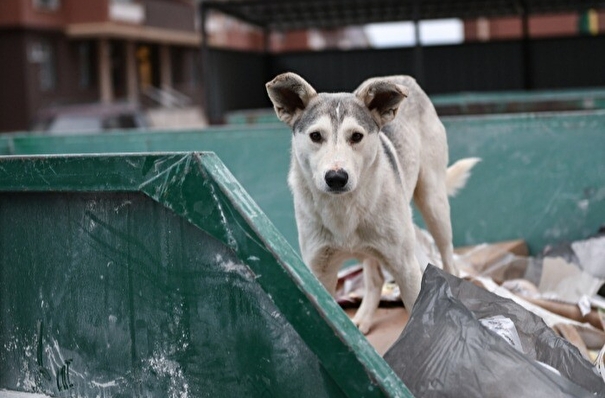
(157, 275)
(541, 178)
(475, 103)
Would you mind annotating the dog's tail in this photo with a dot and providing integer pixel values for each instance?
(458, 174)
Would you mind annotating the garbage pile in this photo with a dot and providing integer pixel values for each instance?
(513, 326)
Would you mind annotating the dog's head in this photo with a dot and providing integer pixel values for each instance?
(335, 135)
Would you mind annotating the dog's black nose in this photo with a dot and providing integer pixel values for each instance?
(337, 179)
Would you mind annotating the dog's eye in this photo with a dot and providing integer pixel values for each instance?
(315, 136)
(356, 137)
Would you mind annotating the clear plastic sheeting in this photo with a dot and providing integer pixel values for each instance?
(444, 351)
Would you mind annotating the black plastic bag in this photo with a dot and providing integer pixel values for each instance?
(444, 351)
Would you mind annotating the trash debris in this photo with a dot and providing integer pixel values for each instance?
(565, 293)
(567, 282)
(505, 328)
(593, 337)
(600, 363)
(445, 351)
(591, 255)
(561, 288)
(500, 261)
(350, 288)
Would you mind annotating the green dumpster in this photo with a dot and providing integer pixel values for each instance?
(541, 177)
(475, 103)
(157, 275)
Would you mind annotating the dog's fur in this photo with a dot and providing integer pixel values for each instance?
(456, 177)
(358, 159)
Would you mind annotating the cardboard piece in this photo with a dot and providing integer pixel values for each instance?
(593, 337)
(591, 255)
(500, 261)
(564, 281)
(387, 325)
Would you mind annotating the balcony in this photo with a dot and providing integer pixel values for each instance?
(171, 15)
(127, 12)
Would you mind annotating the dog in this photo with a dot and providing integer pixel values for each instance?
(358, 159)
(456, 178)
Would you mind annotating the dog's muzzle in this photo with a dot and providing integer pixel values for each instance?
(336, 180)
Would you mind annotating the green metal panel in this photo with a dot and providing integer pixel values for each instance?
(541, 178)
(475, 103)
(520, 101)
(254, 116)
(5, 144)
(157, 275)
(258, 156)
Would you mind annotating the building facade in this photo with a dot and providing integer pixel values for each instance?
(55, 52)
(591, 22)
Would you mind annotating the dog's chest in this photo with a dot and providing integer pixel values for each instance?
(344, 223)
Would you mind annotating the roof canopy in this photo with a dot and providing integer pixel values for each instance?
(302, 14)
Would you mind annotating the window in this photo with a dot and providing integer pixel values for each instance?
(402, 34)
(178, 58)
(49, 5)
(184, 67)
(85, 65)
(43, 54)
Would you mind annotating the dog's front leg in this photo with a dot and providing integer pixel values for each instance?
(373, 280)
(406, 272)
(324, 263)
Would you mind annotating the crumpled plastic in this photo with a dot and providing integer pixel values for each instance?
(444, 351)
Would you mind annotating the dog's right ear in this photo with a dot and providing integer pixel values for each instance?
(290, 95)
(382, 97)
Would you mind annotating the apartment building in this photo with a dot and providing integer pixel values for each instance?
(55, 52)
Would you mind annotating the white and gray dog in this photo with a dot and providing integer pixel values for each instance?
(358, 159)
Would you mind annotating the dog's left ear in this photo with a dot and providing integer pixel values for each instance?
(290, 95)
(382, 97)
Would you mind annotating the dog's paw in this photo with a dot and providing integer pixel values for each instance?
(363, 325)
